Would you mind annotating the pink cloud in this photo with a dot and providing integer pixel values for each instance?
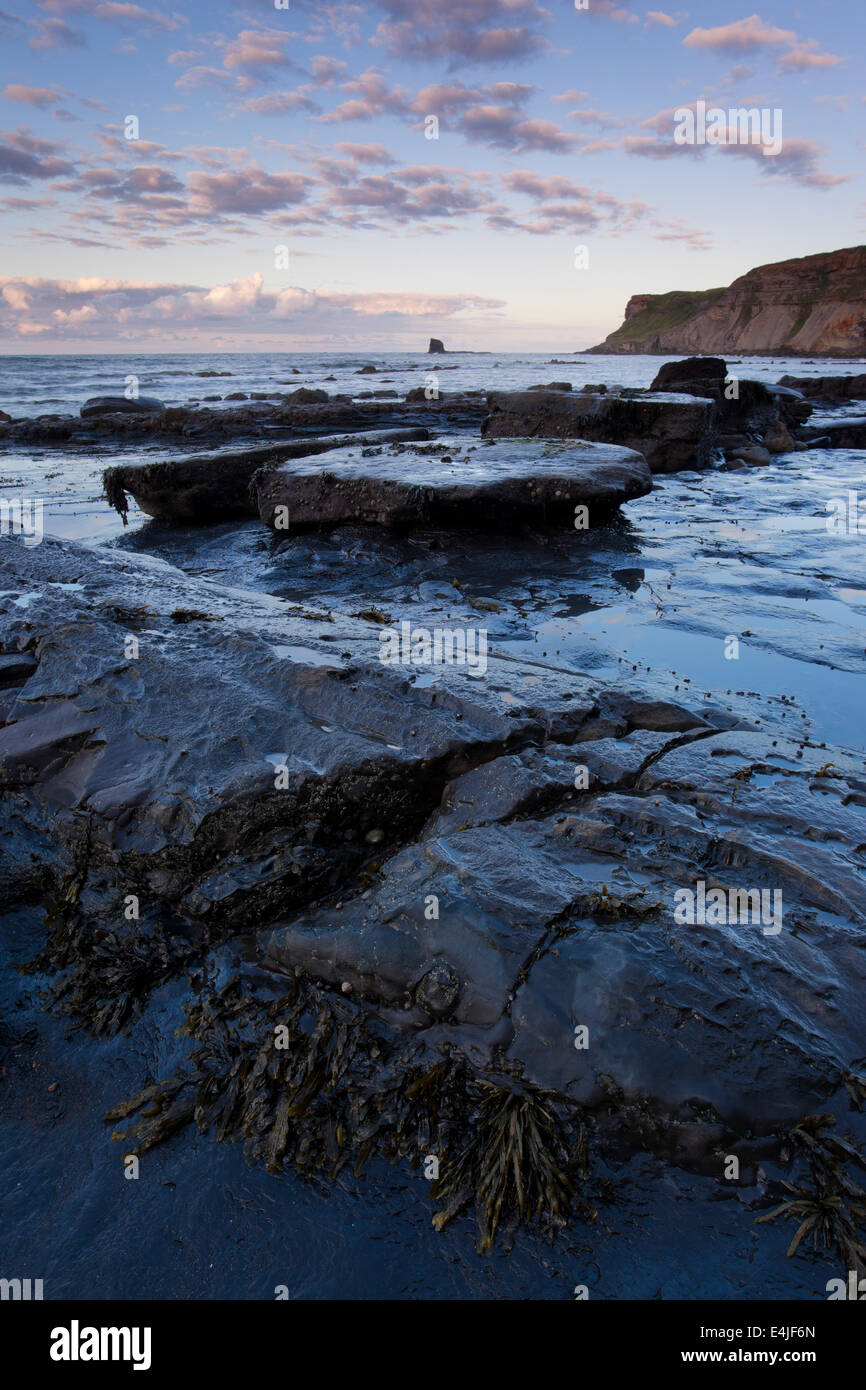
(43, 97)
(807, 55)
(742, 36)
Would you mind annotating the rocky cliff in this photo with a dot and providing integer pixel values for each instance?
(815, 305)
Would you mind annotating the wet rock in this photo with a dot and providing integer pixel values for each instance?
(671, 431)
(305, 396)
(661, 717)
(778, 439)
(840, 434)
(677, 376)
(196, 820)
(430, 876)
(209, 487)
(755, 455)
(367, 370)
(438, 990)
(794, 409)
(419, 394)
(741, 404)
(556, 920)
(552, 386)
(499, 485)
(16, 668)
(834, 389)
(244, 421)
(119, 405)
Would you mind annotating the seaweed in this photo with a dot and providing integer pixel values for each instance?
(513, 1160)
(308, 1079)
(107, 975)
(829, 1206)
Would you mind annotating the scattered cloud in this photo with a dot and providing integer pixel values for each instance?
(43, 97)
(741, 36)
(752, 34)
(55, 33)
(94, 308)
(461, 31)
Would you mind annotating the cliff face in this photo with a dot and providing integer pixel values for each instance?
(814, 305)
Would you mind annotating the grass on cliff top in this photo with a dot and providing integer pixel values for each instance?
(666, 311)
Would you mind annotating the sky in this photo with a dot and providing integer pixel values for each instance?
(501, 174)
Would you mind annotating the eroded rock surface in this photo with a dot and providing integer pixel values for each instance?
(207, 487)
(452, 483)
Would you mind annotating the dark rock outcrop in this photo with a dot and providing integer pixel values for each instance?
(426, 872)
(436, 345)
(247, 422)
(840, 434)
(742, 405)
(828, 388)
(671, 431)
(121, 405)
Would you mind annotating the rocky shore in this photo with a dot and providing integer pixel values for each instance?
(407, 912)
(693, 412)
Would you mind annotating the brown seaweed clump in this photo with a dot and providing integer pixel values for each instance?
(514, 1159)
(829, 1206)
(309, 1079)
(106, 974)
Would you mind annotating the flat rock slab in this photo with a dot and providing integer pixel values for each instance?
(671, 431)
(214, 487)
(453, 483)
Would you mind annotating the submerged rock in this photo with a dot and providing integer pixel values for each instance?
(453, 484)
(671, 431)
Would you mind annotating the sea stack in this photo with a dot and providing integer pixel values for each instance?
(436, 345)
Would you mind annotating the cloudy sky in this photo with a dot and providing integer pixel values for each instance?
(284, 191)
